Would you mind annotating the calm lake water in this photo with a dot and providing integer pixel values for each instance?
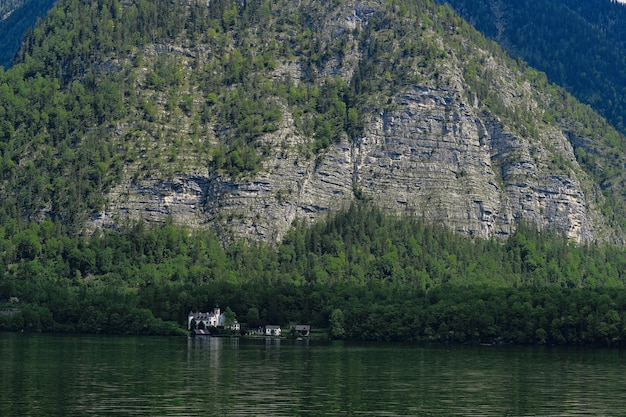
(48, 375)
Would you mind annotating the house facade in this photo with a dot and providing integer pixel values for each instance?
(205, 320)
(272, 330)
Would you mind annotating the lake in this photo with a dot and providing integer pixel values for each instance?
(52, 375)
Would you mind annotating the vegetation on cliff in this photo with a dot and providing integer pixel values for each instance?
(109, 93)
(580, 44)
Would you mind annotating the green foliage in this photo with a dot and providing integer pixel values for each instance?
(336, 324)
(90, 69)
(359, 274)
(230, 318)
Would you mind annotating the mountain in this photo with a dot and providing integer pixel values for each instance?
(16, 17)
(252, 120)
(580, 44)
(244, 117)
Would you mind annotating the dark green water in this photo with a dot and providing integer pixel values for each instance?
(46, 375)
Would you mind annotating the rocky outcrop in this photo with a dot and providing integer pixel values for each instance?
(433, 151)
(433, 156)
(436, 157)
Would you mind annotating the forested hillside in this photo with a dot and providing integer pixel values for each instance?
(117, 112)
(359, 274)
(16, 18)
(366, 148)
(580, 44)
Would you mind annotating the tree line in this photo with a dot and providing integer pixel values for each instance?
(359, 274)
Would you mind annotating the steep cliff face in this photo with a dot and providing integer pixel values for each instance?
(431, 157)
(430, 146)
(440, 158)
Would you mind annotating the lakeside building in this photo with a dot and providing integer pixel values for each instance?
(272, 330)
(206, 320)
(301, 330)
(213, 323)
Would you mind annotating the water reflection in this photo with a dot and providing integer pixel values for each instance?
(79, 376)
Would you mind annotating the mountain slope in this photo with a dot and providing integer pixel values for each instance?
(244, 117)
(16, 17)
(580, 44)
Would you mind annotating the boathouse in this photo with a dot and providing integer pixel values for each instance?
(303, 330)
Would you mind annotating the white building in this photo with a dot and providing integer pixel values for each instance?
(214, 318)
(272, 330)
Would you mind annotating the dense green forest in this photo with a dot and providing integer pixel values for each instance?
(360, 274)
